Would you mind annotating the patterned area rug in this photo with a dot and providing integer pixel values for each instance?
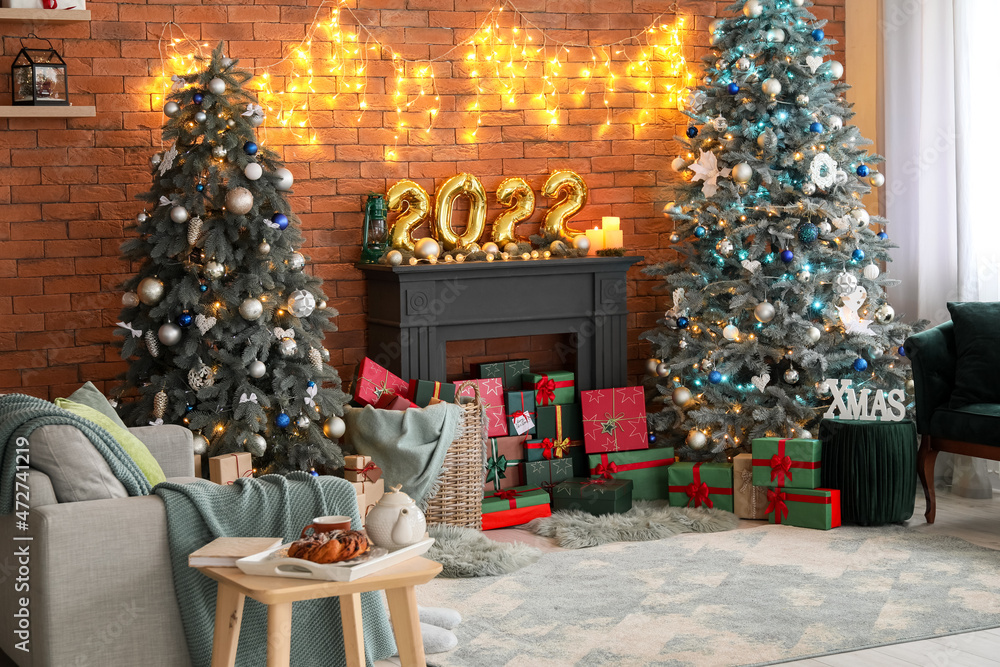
(740, 597)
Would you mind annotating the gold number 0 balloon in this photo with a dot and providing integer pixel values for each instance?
(576, 197)
(516, 196)
(444, 201)
(418, 205)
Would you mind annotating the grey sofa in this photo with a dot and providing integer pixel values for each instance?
(101, 589)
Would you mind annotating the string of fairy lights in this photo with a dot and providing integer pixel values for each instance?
(509, 63)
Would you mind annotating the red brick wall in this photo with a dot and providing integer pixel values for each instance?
(67, 187)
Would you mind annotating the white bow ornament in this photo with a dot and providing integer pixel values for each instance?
(128, 325)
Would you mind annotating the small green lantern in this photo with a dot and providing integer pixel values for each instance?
(375, 231)
(38, 76)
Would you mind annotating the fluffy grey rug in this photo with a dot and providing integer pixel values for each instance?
(468, 553)
(645, 521)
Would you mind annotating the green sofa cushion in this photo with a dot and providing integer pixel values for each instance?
(976, 326)
(979, 423)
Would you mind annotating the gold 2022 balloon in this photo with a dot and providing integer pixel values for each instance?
(576, 198)
(444, 200)
(516, 196)
(418, 205)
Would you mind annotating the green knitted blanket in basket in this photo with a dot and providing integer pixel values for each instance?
(20, 415)
(269, 506)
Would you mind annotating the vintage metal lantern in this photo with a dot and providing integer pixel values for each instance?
(38, 76)
(376, 233)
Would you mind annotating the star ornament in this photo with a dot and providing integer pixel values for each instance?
(707, 169)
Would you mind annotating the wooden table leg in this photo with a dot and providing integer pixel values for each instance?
(406, 625)
(279, 635)
(354, 633)
(228, 617)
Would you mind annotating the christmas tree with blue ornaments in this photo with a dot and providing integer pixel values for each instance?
(777, 285)
(222, 328)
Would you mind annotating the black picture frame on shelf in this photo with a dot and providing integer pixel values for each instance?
(39, 77)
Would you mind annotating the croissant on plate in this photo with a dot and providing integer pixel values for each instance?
(333, 547)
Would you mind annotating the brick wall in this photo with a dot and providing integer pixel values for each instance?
(67, 187)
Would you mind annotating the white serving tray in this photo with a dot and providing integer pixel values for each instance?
(263, 565)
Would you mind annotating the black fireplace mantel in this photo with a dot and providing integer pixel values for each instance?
(413, 311)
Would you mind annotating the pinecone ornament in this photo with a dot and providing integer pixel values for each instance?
(159, 405)
(152, 344)
(194, 230)
(315, 358)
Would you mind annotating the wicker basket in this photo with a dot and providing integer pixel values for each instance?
(459, 500)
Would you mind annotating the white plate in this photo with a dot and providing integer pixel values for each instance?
(265, 564)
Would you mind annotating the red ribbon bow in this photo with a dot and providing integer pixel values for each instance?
(545, 390)
(776, 504)
(370, 473)
(547, 446)
(508, 494)
(781, 468)
(698, 494)
(606, 471)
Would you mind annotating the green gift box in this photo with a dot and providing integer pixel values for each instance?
(701, 485)
(521, 496)
(547, 473)
(510, 372)
(519, 402)
(422, 391)
(647, 468)
(503, 462)
(805, 508)
(596, 496)
(553, 388)
(792, 463)
(560, 421)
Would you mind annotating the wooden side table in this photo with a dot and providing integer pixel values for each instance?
(278, 593)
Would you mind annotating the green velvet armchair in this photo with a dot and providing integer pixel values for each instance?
(972, 430)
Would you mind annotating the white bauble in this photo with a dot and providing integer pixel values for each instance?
(696, 439)
(334, 427)
(169, 334)
(798, 3)
(808, 188)
(651, 365)
(394, 258)
(288, 347)
(257, 120)
(764, 312)
(130, 299)
(301, 303)
(720, 123)
(150, 291)
(885, 314)
(860, 218)
(872, 271)
(802, 100)
(791, 376)
(156, 159)
(200, 117)
(835, 69)
(200, 445)
(845, 283)
(825, 227)
(716, 25)
(743, 64)
(256, 445)
(877, 179)
(662, 369)
(776, 35)
(253, 171)
(302, 421)
(822, 388)
(771, 86)
(179, 214)
(219, 151)
(283, 179)
(678, 164)
(217, 86)
(813, 334)
(491, 247)
(239, 201)
(171, 109)
(753, 8)
(909, 387)
(426, 248)
(230, 123)
(742, 173)
(214, 270)
(142, 217)
(731, 332)
(296, 261)
(264, 248)
(257, 369)
(251, 308)
(835, 122)
(804, 276)
(681, 396)
(581, 242)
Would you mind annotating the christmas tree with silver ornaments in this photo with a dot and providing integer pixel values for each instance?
(222, 328)
(777, 284)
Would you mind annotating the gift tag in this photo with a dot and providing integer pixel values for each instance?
(522, 423)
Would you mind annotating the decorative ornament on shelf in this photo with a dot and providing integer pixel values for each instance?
(426, 248)
(574, 188)
(417, 206)
(394, 258)
(518, 200)
(467, 185)
(201, 376)
(847, 404)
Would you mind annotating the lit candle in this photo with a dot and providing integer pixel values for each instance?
(613, 238)
(610, 224)
(596, 238)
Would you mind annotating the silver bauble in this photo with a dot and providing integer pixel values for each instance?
(742, 172)
(156, 159)
(678, 164)
(813, 334)
(171, 109)
(200, 117)
(230, 123)
(835, 69)
(824, 227)
(510, 249)
(909, 387)
(217, 86)
(724, 247)
(860, 218)
(283, 179)
(743, 64)
(239, 201)
(334, 427)
(581, 242)
(301, 303)
(651, 365)
(681, 396)
(696, 439)
(394, 258)
(776, 35)
(491, 247)
(845, 283)
(130, 299)
(771, 86)
(325, 355)
(835, 122)
(804, 276)
(142, 217)
(169, 334)
(426, 248)
(720, 124)
(302, 421)
(872, 271)
(876, 353)
(251, 308)
(706, 365)
(753, 8)
(822, 388)
(214, 270)
(808, 188)
(257, 369)
(731, 332)
(804, 433)
(555, 246)
(256, 445)
(257, 120)
(219, 151)
(764, 312)
(296, 261)
(288, 347)
(716, 25)
(253, 171)
(228, 62)
(682, 344)
(662, 369)
(885, 314)
(179, 214)
(877, 180)
(675, 237)
(798, 3)
(791, 376)
(200, 445)
(802, 100)
(150, 291)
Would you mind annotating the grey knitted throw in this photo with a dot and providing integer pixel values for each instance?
(269, 506)
(20, 415)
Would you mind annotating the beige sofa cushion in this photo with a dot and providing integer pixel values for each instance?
(75, 468)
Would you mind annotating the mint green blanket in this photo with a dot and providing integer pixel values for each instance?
(20, 415)
(269, 506)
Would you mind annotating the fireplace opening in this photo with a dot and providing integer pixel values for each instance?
(546, 352)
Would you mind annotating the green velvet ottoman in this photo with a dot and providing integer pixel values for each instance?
(874, 464)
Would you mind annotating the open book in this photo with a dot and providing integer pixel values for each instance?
(225, 551)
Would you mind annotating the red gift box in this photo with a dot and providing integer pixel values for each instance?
(393, 402)
(375, 381)
(515, 517)
(491, 393)
(614, 420)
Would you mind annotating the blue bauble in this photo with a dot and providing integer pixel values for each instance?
(787, 256)
(282, 420)
(203, 288)
(808, 232)
(733, 88)
(185, 319)
(198, 97)
(902, 351)
(816, 127)
(311, 384)
(715, 377)
(860, 364)
(312, 471)
(882, 236)
(818, 34)
(652, 438)
(863, 170)
(200, 187)
(858, 255)
(250, 148)
(692, 131)
(700, 231)
(189, 408)
(682, 322)
(280, 219)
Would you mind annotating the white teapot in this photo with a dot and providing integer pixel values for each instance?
(395, 521)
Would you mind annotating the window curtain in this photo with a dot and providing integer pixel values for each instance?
(937, 130)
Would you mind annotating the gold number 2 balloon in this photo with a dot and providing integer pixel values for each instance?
(444, 201)
(576, 197)
(418, 205)
(516, 196)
